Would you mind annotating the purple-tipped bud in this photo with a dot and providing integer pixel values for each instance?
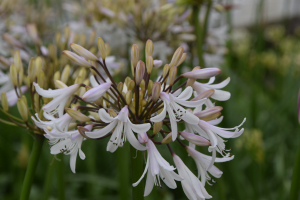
(96, 92)
(195, 139)
(209, 113)
(140, 72)
(202, 73)
(206, 94)
(156, 91)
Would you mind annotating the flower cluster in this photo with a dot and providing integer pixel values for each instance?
(139, 110)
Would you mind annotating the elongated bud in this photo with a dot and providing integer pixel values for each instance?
(120, 87)
(92, 38)
(156, 91)
(36, 100)
(165, 71)
(176, 57)
(65, 74)
(206, 94)
(142, 85)
(172, 75)
(182, 59)
(41, 78)
(202, 73)
(83, 52)
(57, 39)
(134, 55)
(157, 63)
(167, 139)
(150, 86)
(112, 113)
(219, 7)
(140, 71)
(56, 76)
(12, 41)
(157, 127)
(77, 59)
(67, 33)
(17, 60)
(96, 92)
(5, 62)
(23, 109)
(128, 97)
(33, 33)
(82, 39)
(14, 75)
(78, 115)
(209, 113)
(102, 48)
(60, 84)
(149, 64)
(4, 102)
(191, 81)
(131, 85)
(127, 80)
(195, 139)
(149, 48)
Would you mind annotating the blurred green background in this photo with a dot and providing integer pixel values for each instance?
(263, 61)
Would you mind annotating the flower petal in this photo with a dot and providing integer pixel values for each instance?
(104, 116)
(101, 132)
(186, 94)
(160, 116)
(132, 139)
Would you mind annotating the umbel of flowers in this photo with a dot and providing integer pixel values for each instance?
(144, 112)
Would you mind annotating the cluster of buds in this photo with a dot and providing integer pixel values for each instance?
(143, 111)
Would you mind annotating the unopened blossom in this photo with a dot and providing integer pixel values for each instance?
(96, 92)
(158, 168)
(119, 136)
(60, 98)
(71, 145)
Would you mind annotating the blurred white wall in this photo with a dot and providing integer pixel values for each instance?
(273, 10)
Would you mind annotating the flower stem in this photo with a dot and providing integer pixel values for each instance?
(137, 161)
(33, 161)
(122, 173)
(295, 187)
(60, 173)
(199, 43)
(48, 181)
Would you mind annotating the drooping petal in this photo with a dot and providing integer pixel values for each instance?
(221, 95)
(219, 85)
(145, 171)
(186, 94)
(139, 128)
(102, 132)
(161, 116)
(132, 139)
(149, 183)
(104, 116)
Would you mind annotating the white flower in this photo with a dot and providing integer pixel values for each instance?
(71, 145)
(191, 185)
(96, 92)
(219, 94)
(171, 104)
(157, 168)
(203, 162)
(119, 122)
(60, 98)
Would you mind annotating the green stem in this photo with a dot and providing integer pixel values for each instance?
(122, 173)
(48, 181)
(60, 172)
(137, 160)
(295, 187)
(33, 161)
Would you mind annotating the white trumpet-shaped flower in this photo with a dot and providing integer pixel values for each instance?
(119, 136)
(60, 98)
(177, 112)
(203, 161)
(71, 145)
(191, 185)
(219, 95)
(158, 168)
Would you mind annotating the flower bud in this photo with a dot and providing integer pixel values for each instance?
(82, 39)
(157, 127)
(132, 107)
(140, 71)
(206, 94)
(67, 33)
(157, 63)
(149, 64)
(131, 85)
(150, 86)
(112, 113)
(219, 7)
(14, 75)
(92, 38)
(182, 59)
(23, 109)
(191, 81)
(56, 76)
(134, 55)
(167, 139)
(120, 87)
(36, 100)
(149, 48)
(195, 139)
(128, 97)
(127, 80)
(176, 57)
(77, 115)
(172, 75)
(41, 78)
(83, 52)
(17, 60)
(77, 59)
(142, 85)
(209, 113)
(202, 73)
(156, 91)
(33, 33)
(65, 74)
(4, 102)
(12, 41)
(60, 84)
(96, 92)
(166, 71)
(5, 62)
(102, 49)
